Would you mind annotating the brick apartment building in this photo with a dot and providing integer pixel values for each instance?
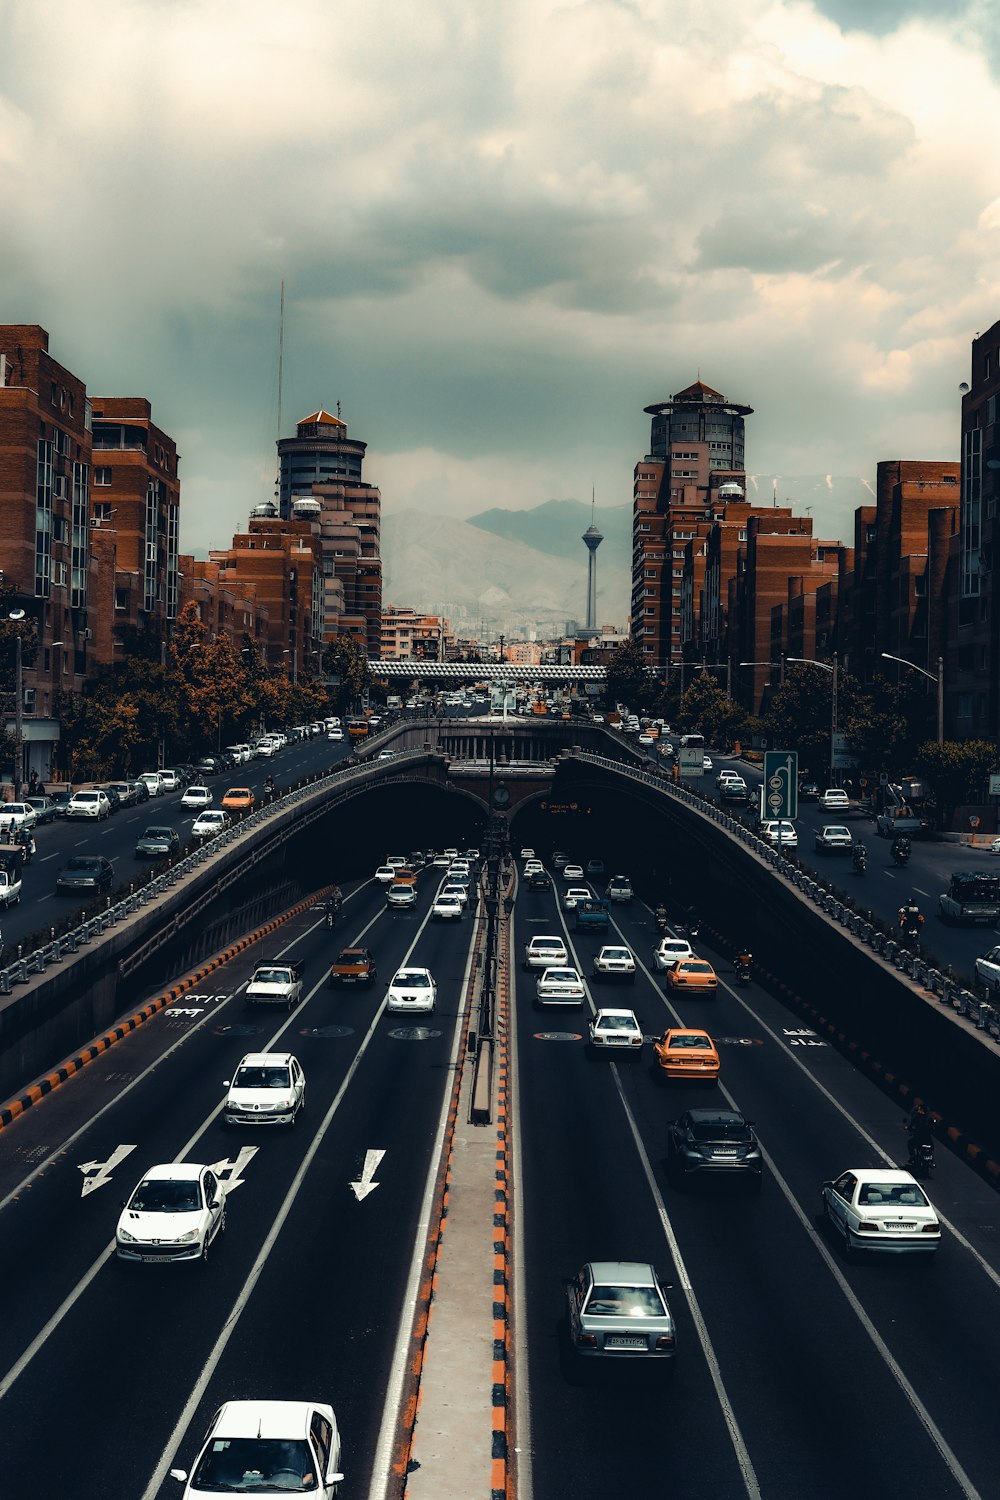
(972, 674)
(280, 562)
(406, 633)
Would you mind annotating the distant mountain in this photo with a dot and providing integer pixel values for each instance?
(556, 527)
(437, 564)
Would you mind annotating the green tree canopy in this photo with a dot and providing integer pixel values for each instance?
(629, 679)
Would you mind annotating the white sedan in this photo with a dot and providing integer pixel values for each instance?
(207, 824)
(198, 797)
(669, 951)
(175, 1213)
(615, 1031)
(447, 907)
(614, 962)
(20, 814)
(411, 990)
(267, 1447)
(335, 734)
(882, 1210)
(268, 1088)
(385, 874)
(560, 987)
(574, 895)
(572, 872)
(834, 800)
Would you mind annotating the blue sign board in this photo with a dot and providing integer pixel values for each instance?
(781, 784)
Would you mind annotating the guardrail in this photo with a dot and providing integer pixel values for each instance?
(26, 965)
(924, 970)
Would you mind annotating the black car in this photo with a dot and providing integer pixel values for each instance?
(113, 796)
(209, 765)
(808, 791)
(713, 1143)
(157, 843)
(85, 873)
(539, 880)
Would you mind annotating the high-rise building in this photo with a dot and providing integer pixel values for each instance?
(320, 481)
(973, 672)
(696, 447)
(136, 496)
(592, 539)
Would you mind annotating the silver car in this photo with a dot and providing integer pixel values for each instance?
(617, 1309)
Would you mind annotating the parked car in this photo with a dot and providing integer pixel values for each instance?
(60, 799)
(153, 783)
(85, 874)
(45, 808)
(170, 779)
(158, 843)
(125, 792)
(91, 803)
(283, 1445)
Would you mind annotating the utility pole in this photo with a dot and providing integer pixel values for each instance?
(18, 720)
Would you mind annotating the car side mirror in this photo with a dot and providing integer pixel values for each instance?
(214, 1203)
(334, 1478)
(123, 1203)
(178, 1473)
(227, 1083)
(827, 1184)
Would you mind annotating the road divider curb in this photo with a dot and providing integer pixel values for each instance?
(499, 1472)
(71, 1066)
(959, 1140)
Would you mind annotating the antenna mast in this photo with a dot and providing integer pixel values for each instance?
(281, 352)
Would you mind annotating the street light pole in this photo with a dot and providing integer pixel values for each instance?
(17, 615)
(936, 677)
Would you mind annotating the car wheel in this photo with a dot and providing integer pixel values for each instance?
(203, 1258)
(850, 1248)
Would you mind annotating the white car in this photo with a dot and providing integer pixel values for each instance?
(207, 824)
(572, 897)
(527, 853)
(174, 1214)
(385, 874)
(265, 749)
(727, 775)
(531, 865)
(669, 951)
(401, 897)
(336, 734)
(540, 952)
(780, 832)
(883, 1210)
(268, 1088)
(615, 962)
(153, 782)
(456, 888)
(411, 990)
(615, 1031)
(559, 986)
(706, 763)
(448, 906)
(460, 869)
(23, 815)
(267, 1448)
(835, 799)
(646, 739)
(89, 804)
(170, 780)
(988, 969)
(833, 836)
(572, 872)
(198, 797)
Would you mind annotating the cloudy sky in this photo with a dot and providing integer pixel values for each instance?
(505, 229)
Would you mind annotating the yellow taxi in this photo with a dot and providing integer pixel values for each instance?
(405, 876)
(239, 799)
(693, 974)
(684, 1052)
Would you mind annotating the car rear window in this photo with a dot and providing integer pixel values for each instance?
(608, 1301)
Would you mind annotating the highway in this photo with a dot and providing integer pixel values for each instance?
(797, 1373)
(304, 1293)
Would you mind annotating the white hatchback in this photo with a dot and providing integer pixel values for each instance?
(267, 1448)
(207, 824)
(198, 797)
(175, 1214)
(88, 804)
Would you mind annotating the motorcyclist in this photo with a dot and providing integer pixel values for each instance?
(744, 959)
(910, 916)
(661, 916)
(900, 850)
(26, 839)
(919, 1126)
(859, 854)
(692, 922)
(269, 787)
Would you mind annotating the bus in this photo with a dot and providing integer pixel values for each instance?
(691, 755)
(357, 729)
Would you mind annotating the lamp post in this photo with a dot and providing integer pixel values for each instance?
(937, 677)
(17, 615)
(808, 661)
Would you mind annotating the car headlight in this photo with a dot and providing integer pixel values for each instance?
(128, 1239)
(185, 1239)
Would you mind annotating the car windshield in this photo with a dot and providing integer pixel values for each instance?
(909, 1193)
(81, 862)
(256, 1466)
(560, 976)
(271, 976)
(274, 1076)
(617, 1023)
(685, 1039)
(616, 953)
(80, 797)
(171, 1195)
(158, 833)
(351, 956)
(413, 979)
(609, 1301)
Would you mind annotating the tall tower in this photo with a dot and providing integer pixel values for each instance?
(592, 539)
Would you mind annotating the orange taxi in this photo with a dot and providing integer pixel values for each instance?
(693, 974)
(239, 799)
(405, 876)
(687, 1053)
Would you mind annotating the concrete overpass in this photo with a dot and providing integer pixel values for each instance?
(413, 669)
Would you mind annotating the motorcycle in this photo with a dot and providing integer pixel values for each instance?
(693, 928)
(662, 920)
(860, 857)
(900, 852)
(743, 971)
(920, 1159)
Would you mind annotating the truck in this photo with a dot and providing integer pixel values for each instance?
(275, 984)
(592, 916)
(971, 899)
(10, 883)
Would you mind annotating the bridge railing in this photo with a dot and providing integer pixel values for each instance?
(27, 964)
(949, 988)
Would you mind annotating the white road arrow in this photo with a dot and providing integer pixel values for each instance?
(97, 1173)
(365, 1186)
(228, 1172)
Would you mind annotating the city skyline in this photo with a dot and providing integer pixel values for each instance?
(493, 262)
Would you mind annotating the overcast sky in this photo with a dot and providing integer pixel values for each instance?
(505, 229)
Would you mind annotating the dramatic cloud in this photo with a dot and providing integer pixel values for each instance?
(504, 230)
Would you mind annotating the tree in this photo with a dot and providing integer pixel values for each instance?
(707, 708)
(346, 658)
(798, 716)
(629, 679)
(958, 772)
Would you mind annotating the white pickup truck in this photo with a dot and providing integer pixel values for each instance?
(10, 887)
(275, 984)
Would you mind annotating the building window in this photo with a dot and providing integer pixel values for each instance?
(920, 585)
(102, 512)
(43, 518)
(102, 475)
(173, 549)
(121, 600)
(971, 511)
(79, 545)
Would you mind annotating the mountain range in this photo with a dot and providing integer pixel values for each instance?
(521, 570)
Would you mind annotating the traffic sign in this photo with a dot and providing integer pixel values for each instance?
(781, 784)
